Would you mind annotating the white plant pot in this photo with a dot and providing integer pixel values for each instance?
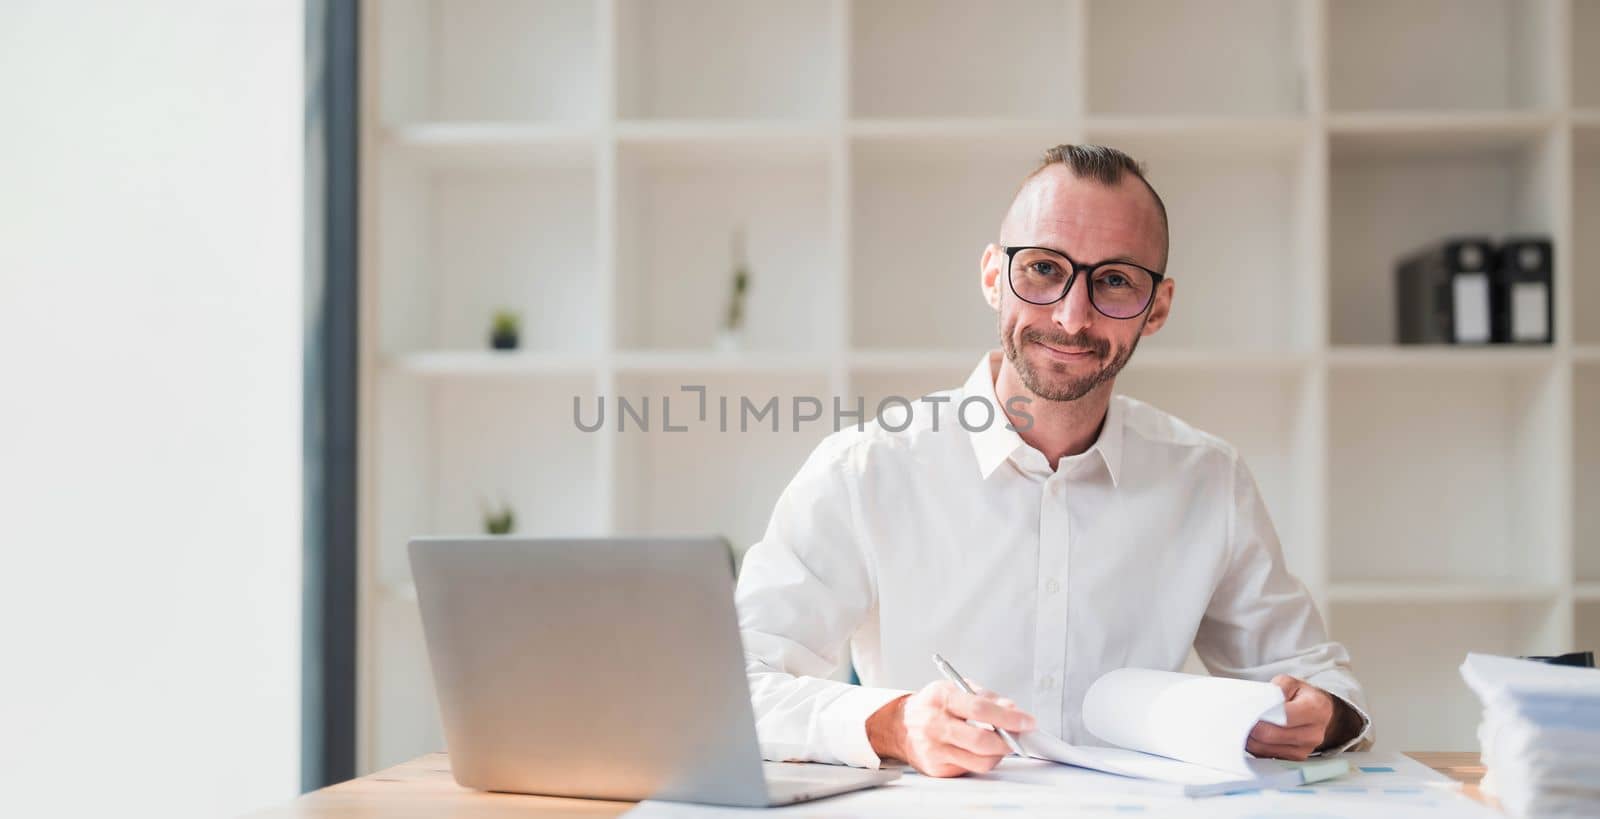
(729, 341)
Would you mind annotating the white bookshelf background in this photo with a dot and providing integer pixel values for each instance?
(586, 161)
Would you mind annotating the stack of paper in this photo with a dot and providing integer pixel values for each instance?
(1540, 734)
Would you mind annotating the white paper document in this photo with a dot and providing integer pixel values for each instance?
(1387, 785)
(1182, 729)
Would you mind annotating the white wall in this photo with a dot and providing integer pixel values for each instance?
(150, 285)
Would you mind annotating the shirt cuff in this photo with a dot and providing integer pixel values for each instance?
(844, 724)
(1363, 738)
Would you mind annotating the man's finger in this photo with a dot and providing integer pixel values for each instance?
(976, 763)
(1265, 749)
(968, 706)
(1281, 735)
(981, 741)
(1306, 711)
(1290, 686)
(1309, 706)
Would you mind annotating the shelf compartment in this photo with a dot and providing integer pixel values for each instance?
(487, 60)
(1406, 656)
(1389, 196)
(1015, 58)
(458, 243)
(518, 443)
(1178, 67)
(726, 59)
(678, 212)
(1444, 475)
(451, 447)
(1586, 470)
(1585, 256)
(1277, 436)
(1442, 54)
(922, 213)
(1248, 259)
(703, 480)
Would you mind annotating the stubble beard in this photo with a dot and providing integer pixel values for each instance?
(1058, 387)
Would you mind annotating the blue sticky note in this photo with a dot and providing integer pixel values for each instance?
(1376, 769)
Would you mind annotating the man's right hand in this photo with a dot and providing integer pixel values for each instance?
(929, 729)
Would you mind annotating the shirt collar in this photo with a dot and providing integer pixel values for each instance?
(997, 443)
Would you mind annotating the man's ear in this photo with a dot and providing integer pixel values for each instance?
(990, 267)
(1161, 309)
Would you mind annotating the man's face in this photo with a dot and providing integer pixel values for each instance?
(1065, 350)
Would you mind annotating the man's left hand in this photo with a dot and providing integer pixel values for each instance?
(1310, 712)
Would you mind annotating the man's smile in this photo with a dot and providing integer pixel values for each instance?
(1068, 353)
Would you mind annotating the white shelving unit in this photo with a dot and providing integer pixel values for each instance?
(587, 161)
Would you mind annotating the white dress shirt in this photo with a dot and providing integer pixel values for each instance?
(890, 546)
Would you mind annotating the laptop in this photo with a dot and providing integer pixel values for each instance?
(607, 668)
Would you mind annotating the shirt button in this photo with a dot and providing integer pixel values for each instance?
(1047, 682)
(1052, 586)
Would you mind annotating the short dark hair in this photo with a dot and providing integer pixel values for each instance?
(1103, 164)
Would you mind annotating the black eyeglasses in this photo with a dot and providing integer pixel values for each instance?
(1119, 290)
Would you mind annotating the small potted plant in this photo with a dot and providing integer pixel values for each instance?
(499, 521)
(730, 335)
(505, 330)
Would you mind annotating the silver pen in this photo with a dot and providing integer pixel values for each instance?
(950, 673)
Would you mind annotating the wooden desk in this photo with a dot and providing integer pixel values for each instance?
(423, 789)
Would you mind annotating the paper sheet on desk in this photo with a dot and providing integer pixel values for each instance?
(1396, 788)
(1170, 727)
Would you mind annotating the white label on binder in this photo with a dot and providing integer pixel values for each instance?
(1530, 319)
(1471, 294)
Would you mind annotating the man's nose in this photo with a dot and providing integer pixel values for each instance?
(1075, 312)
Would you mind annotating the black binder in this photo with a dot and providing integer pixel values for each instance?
(1521, 303)
(1442, 292)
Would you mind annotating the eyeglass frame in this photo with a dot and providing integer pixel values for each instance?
(1088, 282)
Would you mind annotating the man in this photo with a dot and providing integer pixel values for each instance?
(1090, 533)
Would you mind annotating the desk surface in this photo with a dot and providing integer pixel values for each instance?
(423, 788)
